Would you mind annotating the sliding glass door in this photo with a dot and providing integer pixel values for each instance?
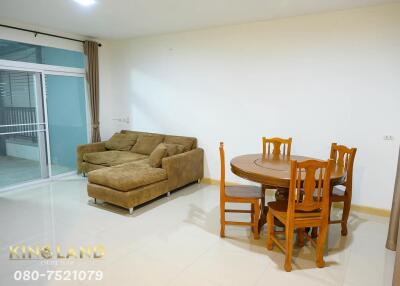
(29, 151)
(66, 111)
(23, 155)
(42, 111)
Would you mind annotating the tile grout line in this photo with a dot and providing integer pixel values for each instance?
(191, 263)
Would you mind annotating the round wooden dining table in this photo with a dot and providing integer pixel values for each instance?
(273, 172)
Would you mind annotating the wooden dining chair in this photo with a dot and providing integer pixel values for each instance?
(308, 206)
(238, 194)
(279, 146)
(344, 158)
(276, 144)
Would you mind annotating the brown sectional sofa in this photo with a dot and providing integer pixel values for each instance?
(135, 167)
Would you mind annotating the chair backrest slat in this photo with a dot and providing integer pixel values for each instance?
(222, 178)
(298, 178)
(319, 187)
(276, 143)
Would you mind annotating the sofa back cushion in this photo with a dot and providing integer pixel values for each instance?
(132, 132)
(173, 149)
(188, 143)
(146, 143)
(121, 142)
(157, 155)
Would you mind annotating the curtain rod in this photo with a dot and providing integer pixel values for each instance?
(41, 33)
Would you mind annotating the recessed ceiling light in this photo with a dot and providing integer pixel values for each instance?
(85, 2)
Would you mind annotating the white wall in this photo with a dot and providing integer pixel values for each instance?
(107, 96)
(323, 78)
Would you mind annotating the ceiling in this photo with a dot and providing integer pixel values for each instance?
(119, 19)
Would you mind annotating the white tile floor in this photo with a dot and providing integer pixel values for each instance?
(175, 241)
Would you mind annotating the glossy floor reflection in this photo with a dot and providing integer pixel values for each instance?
(175, 241)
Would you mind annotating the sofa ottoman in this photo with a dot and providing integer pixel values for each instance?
(127, 185)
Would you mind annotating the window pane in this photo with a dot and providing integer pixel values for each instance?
(22, 52)
(66, 110)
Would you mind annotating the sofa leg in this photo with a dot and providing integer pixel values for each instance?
(168, 194)
(130, 211)
(95, 200)
(199, 181)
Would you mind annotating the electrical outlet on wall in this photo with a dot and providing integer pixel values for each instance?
(125, 120)
(388, 137)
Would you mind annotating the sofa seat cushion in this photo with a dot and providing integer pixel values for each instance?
(142, 163)
(127, 177)
(112, 158)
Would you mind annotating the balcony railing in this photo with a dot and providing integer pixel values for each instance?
(19, 122)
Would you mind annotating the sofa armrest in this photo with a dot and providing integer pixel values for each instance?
(184, 168)
(87, 148)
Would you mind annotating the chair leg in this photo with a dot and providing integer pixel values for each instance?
(300, 237)
(262, 204)
(222, 219)
(323, 231)
(289, 248)
(256, 218)
(252, 218)
(270, 232)
(314, 232)
(345, 216)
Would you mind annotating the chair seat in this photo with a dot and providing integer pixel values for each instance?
(339, 190)
(243, 191)
(339, 194)
(279, 209)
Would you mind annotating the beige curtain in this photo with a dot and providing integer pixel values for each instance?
(396, 273)
(92, 76)
(393, 239)
(395, 214)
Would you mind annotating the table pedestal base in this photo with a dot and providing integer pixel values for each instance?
(282, 194)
